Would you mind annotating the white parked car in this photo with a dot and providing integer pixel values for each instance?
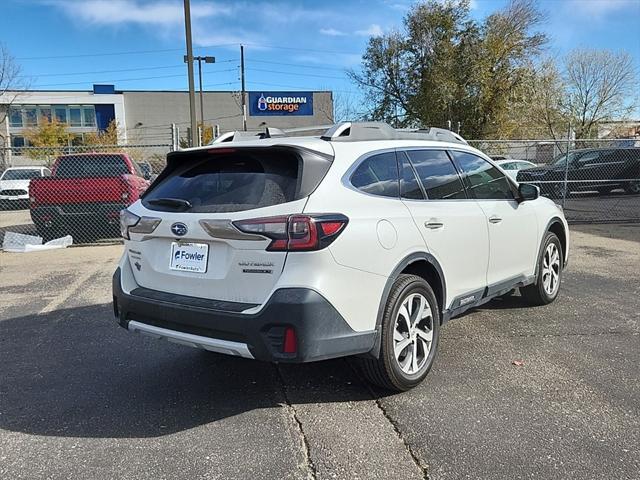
(362, 242)
(14, 184)
(512, 166)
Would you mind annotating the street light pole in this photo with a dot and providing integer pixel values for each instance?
(192, 94)
(200, 60)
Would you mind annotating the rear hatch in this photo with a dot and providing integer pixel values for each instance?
(203, 199)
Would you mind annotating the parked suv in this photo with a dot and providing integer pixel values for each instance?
(597, 169)
(361, 242)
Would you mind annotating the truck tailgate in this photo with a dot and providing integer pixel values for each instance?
(57, 191)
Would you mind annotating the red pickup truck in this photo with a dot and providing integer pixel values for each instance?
(84, 194)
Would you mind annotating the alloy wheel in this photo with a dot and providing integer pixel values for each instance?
(413, 333)
(551, 269)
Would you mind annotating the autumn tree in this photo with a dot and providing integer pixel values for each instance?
(443, 65)
(49, 139)
(103, 138)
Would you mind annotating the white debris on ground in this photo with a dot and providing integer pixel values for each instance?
(21, 243)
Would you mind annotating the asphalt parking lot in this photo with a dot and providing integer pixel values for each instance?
(82, 398)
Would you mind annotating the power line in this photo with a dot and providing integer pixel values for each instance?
(118, 71)
(110, 54)
(300, 88)
(301, 65)
(296, 74)
(302, 49)
(124, 79)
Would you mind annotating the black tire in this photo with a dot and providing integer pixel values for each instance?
(537, 293)
(633, 187)
(386, 370)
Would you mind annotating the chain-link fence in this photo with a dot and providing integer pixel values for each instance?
(594, 180)
(53, 193)
(79, 191)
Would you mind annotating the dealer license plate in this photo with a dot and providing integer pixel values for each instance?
(189, 257)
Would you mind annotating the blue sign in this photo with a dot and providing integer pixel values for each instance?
(280, 103)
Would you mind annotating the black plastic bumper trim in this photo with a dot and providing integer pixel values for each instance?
(321, 332)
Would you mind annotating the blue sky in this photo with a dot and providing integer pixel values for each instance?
(303, 45)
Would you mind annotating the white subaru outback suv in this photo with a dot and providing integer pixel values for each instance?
(361, 242)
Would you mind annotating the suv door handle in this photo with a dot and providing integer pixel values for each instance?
(433, 225)
(495, 219)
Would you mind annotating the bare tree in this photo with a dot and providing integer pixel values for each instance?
(601, 85)
(343, 108)
(10, 83)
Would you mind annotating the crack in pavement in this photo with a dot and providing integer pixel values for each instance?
(306, 449)
(424, 469)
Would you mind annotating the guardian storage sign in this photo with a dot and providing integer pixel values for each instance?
(280, 103)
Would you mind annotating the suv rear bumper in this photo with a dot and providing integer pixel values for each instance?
(320, 331)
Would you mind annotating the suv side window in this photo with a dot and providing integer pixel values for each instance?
(485, 182)
(437, 174)
(410, 187)
(378, 175)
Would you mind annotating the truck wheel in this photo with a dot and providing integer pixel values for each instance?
(547, 285)
(633, 187)
(410, 331)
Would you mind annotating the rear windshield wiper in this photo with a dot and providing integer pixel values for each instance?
(171, 202)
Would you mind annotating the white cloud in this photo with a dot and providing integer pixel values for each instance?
(374, 30)
(113, 12)
(599, 8)
(332, 32)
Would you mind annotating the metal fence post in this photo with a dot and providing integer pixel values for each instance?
(566, 167)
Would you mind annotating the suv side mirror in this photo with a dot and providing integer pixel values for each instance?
(528, 192)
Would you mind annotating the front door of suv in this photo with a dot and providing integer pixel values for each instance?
(513, 226)
(454, 227)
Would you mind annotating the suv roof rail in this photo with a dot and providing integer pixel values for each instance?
(349, 132)
(359, 131)
(239, 136)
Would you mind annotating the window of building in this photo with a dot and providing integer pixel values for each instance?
(45, 115)
(437, 174)
(484, 180)
(61, 114)
(89, 116)
(18, 142)
(30, 116)
(15, 117)
(75, 116)
(378, 175)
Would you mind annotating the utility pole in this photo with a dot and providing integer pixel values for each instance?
(192, 93)
(200, 60)
(243, 93)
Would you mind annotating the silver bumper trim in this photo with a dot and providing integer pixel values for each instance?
(213, 344)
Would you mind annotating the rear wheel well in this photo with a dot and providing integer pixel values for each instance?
(558, 229)
(426, 270)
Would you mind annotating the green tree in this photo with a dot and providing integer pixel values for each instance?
(50, 139)
(446, 66)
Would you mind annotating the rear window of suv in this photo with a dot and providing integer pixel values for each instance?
(242, 179)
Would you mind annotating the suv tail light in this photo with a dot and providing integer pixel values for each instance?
(301, 233)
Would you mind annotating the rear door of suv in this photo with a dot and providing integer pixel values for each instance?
(204, 200)
(453, 226)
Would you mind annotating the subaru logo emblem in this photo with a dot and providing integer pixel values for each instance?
(179, 229)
